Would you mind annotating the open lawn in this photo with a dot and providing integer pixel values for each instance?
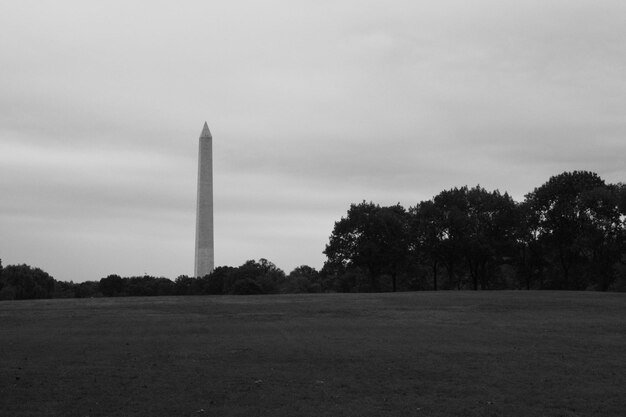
(408, 354)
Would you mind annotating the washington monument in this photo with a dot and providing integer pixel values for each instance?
(204, 210)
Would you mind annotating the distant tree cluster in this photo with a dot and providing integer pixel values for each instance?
(253, 277)
(20, 282)
(568, 234)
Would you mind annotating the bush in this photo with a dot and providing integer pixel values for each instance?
(246, 286)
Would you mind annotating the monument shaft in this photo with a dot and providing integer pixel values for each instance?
(204, 262)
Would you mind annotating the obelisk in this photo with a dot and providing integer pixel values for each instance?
(204, 210)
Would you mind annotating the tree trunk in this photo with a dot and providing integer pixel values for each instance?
(527, 267)
(473, 274)
(565, 268)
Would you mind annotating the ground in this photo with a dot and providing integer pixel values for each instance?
(409, 354)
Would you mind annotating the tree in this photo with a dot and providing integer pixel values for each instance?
(426, 237)
(22, 282)
(185, 285)
(530, 261)
(491, 232)
(214, 282)
(471, 232)
(604, 235)
(111, 286)
(451, 209)
(580, 224)
(303, 279)
(372, 238)
(87, 289)
(262, 277)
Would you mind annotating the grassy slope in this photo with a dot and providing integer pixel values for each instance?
(412, 354)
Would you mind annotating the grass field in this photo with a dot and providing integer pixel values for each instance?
(409, 354)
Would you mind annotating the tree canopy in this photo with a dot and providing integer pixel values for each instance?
(372, 238)
(569, 233)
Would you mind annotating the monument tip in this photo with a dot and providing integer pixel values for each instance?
(206, 133)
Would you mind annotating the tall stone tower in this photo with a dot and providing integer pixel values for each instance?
(204, 211)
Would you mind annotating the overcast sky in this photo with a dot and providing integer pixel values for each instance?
(313, 105)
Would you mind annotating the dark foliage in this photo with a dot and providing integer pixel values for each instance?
(569, 234)
(22, 282)
(373, 239)
(253, 277)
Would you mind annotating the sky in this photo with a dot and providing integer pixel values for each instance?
(313, 105)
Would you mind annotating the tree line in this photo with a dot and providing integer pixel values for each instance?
(21, 282)
(567, 234)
